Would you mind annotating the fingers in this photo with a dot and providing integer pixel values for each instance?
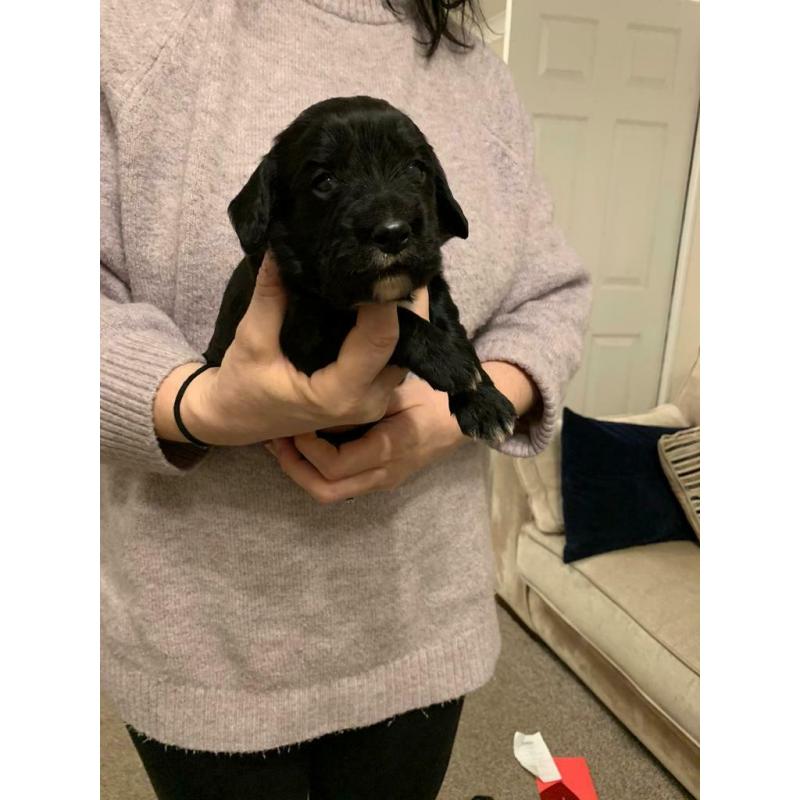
(269, 288)
(305, 475)
(267, 308)
(369, 345)
(420, 304)
(373, 450)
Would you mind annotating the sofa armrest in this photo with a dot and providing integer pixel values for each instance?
(510, 511)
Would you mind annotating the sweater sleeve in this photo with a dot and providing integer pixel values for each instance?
(540, 324)
(139, 344)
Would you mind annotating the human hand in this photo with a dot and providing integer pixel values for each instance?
(420, 305)
(256, 394)
(417, 430)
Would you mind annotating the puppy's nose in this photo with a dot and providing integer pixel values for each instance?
(391, 236)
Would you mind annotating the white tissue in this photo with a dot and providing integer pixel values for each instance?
(531, 751)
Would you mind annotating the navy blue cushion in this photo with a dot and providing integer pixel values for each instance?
(614, 490)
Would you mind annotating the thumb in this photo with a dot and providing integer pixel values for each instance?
(369, 345)
(268, 303)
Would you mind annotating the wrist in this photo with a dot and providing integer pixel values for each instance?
(163, 416)
(515, 384)
(197, 409)
(194, 408)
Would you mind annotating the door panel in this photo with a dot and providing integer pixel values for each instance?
(613, 91)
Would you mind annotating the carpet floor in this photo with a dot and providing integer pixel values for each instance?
(530, 691)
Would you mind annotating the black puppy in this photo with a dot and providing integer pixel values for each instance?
(354, 205)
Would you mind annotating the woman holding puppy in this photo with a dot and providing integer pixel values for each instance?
(296, 619)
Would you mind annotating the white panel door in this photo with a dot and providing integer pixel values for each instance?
(613, 90)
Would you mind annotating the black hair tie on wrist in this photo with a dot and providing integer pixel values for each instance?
(176, 408)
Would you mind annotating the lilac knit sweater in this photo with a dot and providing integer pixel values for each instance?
(237, 614)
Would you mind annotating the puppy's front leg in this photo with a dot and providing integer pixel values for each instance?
(482, 412)
(447, 361)
(434, 355)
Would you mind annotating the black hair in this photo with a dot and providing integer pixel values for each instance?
(450, 20)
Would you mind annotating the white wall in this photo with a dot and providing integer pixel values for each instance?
(495, 13)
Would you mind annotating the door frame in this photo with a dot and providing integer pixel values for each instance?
(690, 210)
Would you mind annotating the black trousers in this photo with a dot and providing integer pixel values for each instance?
(404, 758)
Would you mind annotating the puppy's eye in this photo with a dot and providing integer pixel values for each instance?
(416, 170)
(323, 183)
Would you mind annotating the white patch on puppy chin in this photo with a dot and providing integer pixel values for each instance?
(395, 287)
(384, 260)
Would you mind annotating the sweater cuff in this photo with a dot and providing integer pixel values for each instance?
(535, 428)
(132, 368)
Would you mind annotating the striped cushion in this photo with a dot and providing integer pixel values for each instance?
(680, 457)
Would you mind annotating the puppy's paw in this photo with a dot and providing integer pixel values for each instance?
(484, 413)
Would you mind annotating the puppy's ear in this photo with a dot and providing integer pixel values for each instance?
(249, 211)
(452, 221)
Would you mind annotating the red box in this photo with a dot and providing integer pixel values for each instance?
(575, 784)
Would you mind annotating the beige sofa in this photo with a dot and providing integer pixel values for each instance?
(627, 622)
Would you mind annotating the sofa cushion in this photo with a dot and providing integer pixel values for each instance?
(639, 607)
(541, 476)
(615, 493)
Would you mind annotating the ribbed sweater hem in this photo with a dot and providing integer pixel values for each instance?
(131, 372)
(532, 435)
(230, 720)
